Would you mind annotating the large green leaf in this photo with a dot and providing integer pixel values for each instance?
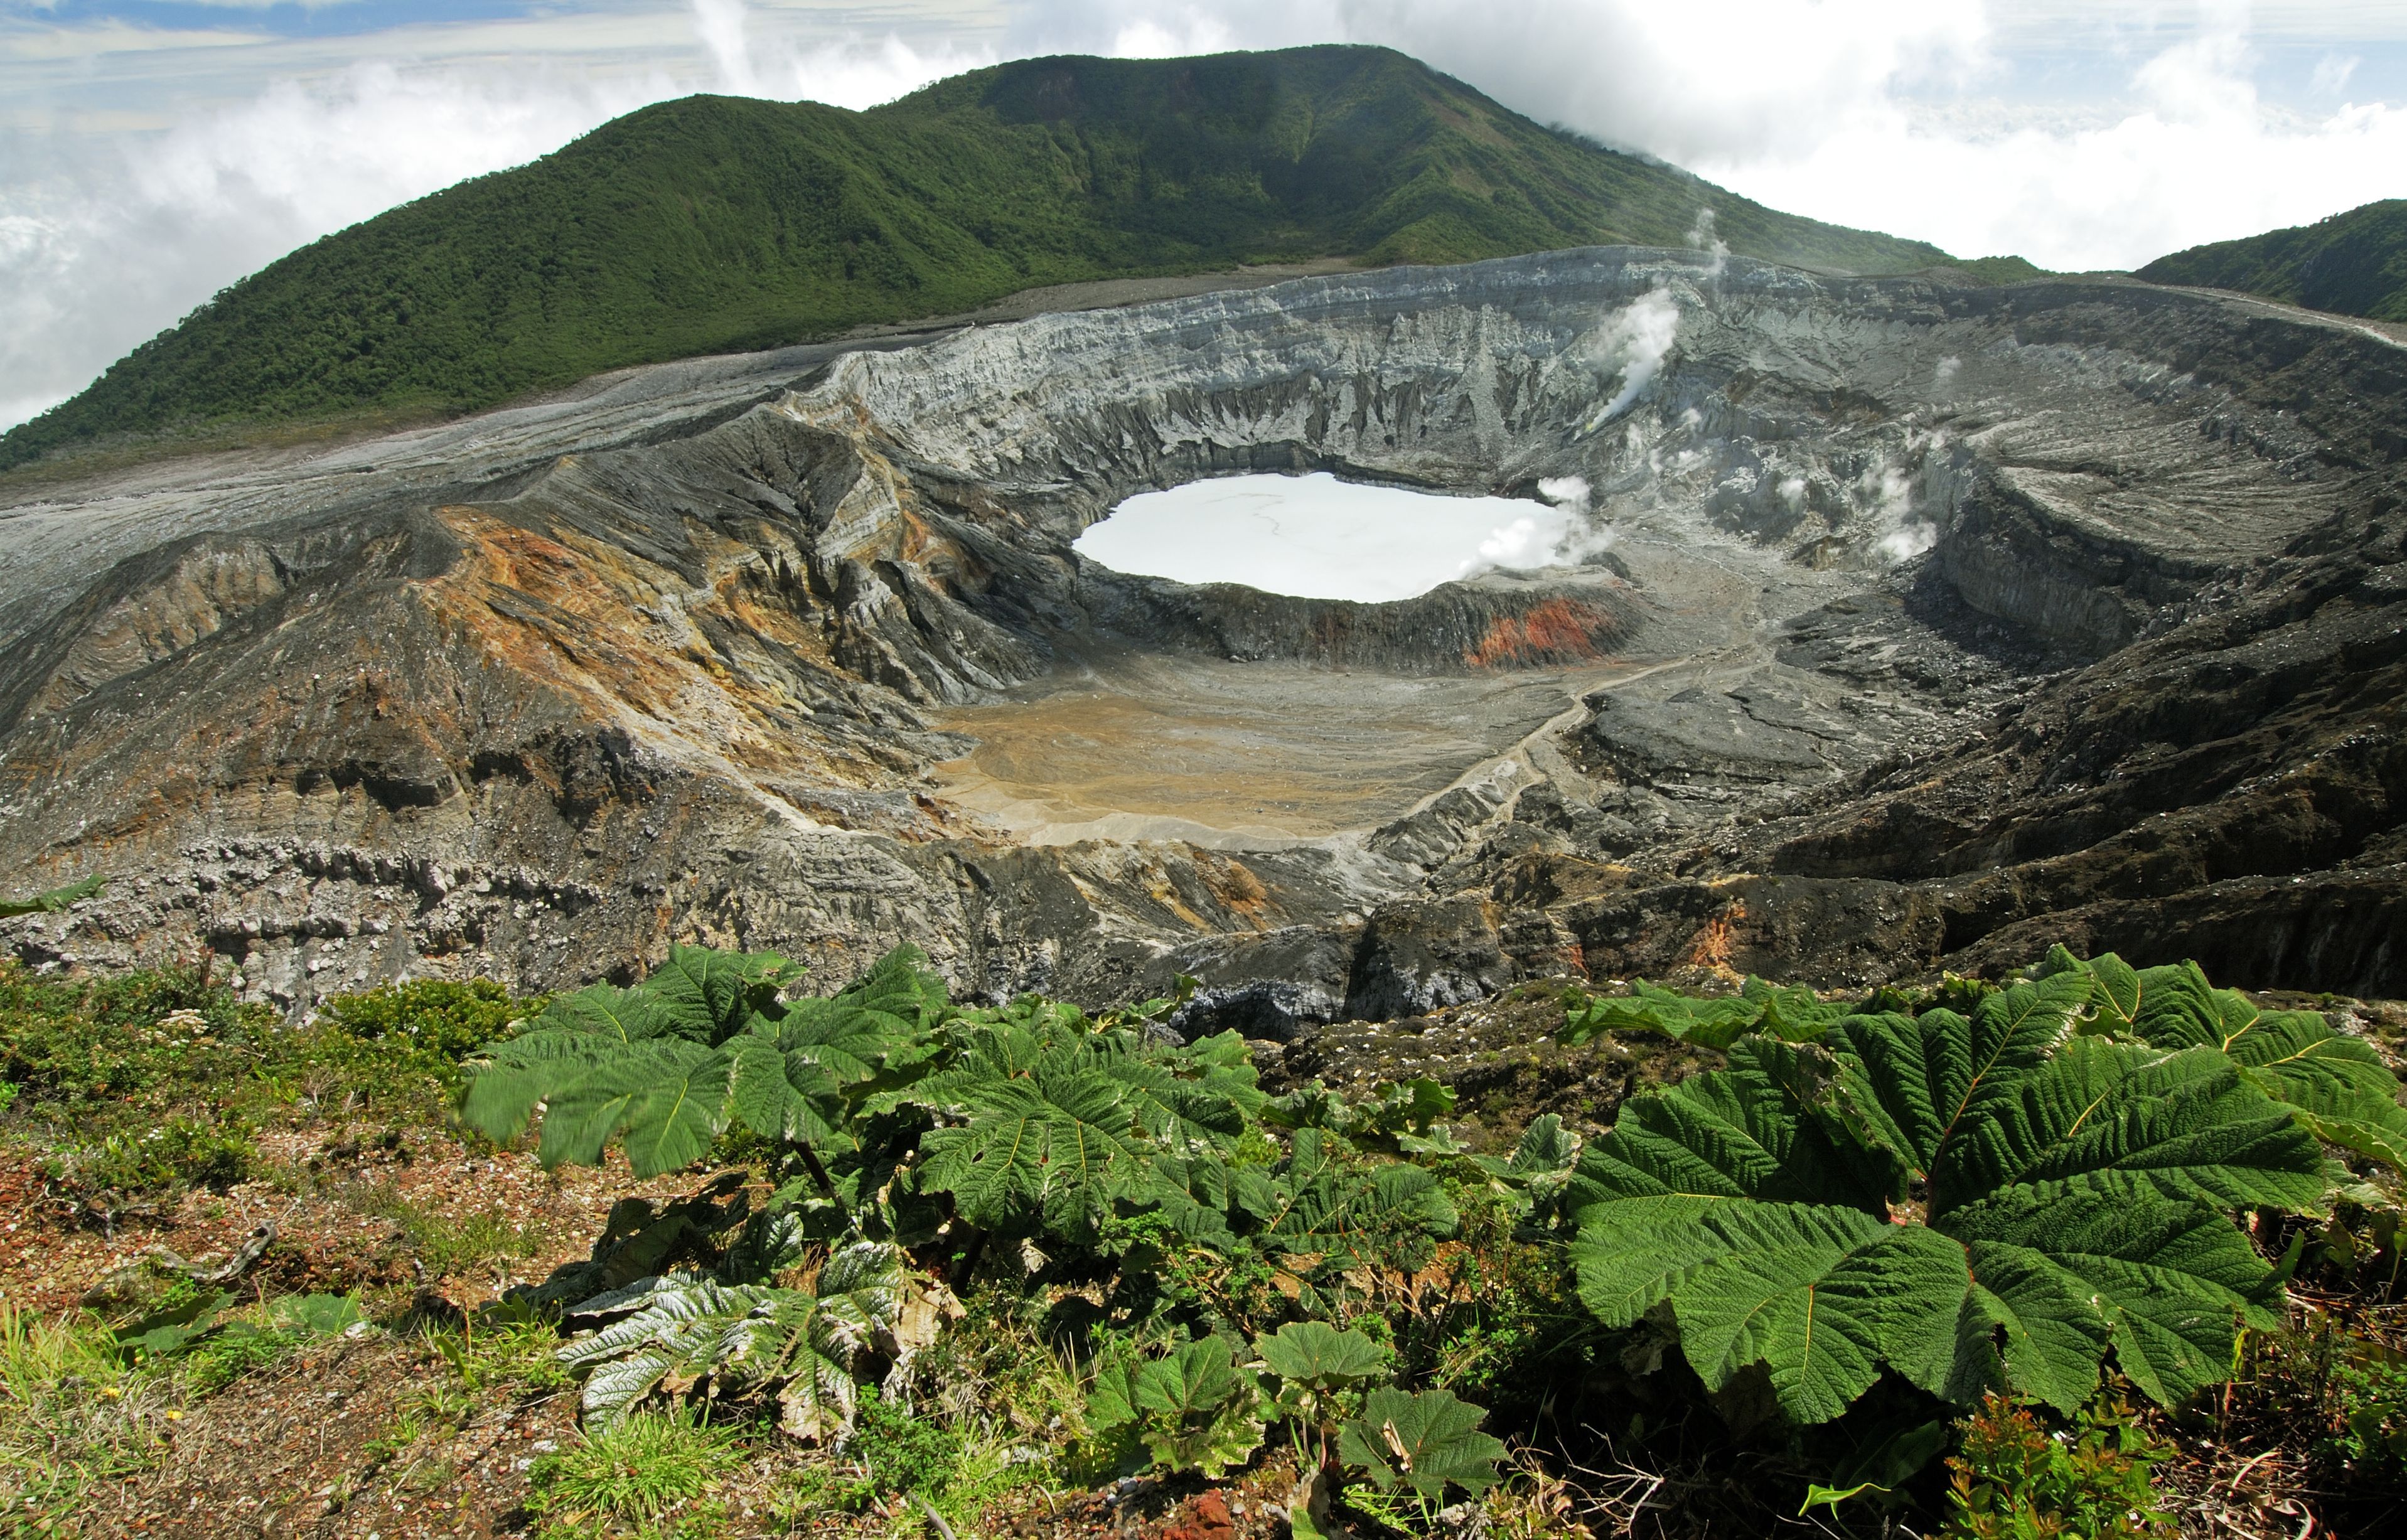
(803, 1346)
(2337, 1086)
(1181, 1114)
(1540, 1169)
(2011, 1032)
(2165, 1278)
(664, 1066)
(1427, 1442)
(1320, 1212)
(1317, 1355)
(682, 1325)
(1792, 1013)
(902, 987)
(785, 1095)
(667, 1100)
(708, 996)
(2187, 1122)
(1050, 1148)
(1197, 1409)
(1821, 1296)
(1761, 1128)
(2074, 1191)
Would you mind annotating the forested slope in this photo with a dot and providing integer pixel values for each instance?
(713, 224)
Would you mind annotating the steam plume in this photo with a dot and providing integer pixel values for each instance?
(1701, 236)
(1634, 342)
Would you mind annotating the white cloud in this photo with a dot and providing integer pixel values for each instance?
(108, 251)
(2200, 157)
(2332, 73)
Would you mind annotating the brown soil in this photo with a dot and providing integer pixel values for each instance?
(309, 1448)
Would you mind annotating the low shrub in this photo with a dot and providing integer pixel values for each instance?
(2014, 1479)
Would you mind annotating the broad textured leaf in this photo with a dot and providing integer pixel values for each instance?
(2010, 1032)
(902, 986)
(2076, 1191)
(709, 995)
(2336, 1086)
(1633, 1252)
(1889, 1086)
(1792, 1013)
(1197, 1409)
(667, 1100)
(1050, 1151)
(1411, 1106)
(2187, 1122)
(1316, 1354)
(2367, 1122)
(684, 1325)
(606, 1011)
(2120, 994)
(1192, 1193)
(1325, 1215)
(1178, 1113)
(1547, 1149)
(55, 900)
(1111, 1397)
(2165, 1280)
(1426, 1442)
(852, 1044)
(1221, 1063)
(1820, 1296)
(503, 1089)
(804, 1346)
(1760, 1128)
(783, 1096)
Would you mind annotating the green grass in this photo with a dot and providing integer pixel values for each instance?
(711, 224)
(636, 1470)
(2353, 263)
(137, 1086)
(450, 1244)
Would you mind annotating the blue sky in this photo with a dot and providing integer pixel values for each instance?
(153, 151)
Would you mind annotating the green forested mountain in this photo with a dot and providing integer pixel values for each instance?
(2353, 263)
(713, 224)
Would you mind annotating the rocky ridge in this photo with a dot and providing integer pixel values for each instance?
(1935, 622)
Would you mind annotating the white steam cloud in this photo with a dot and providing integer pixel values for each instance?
(1910, 534)
(1632, 344)
(1701, 236)
(1562, 535)
(1570, 494)
(720, 24)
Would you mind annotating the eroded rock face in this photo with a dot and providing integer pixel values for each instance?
(1920, 625)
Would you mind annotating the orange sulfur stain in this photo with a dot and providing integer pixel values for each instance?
(1557, 631)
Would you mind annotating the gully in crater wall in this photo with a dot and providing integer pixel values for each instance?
(1934, 619)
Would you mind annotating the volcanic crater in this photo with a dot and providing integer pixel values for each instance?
(1907, 623)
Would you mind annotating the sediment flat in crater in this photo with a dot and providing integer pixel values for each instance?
(1237, 755)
